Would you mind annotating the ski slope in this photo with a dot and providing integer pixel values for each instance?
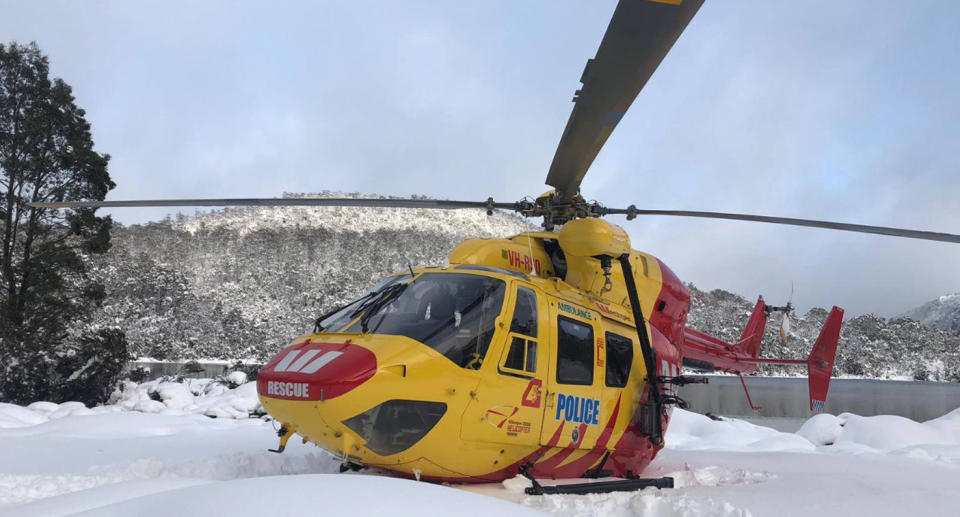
(135, 458)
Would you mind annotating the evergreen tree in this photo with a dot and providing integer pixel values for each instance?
(46, 154)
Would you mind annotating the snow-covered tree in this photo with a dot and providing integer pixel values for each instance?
(46, 154)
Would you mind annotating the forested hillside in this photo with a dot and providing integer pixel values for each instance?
(240, 283)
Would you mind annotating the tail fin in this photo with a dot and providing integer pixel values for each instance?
(820, 361)
(752, 338)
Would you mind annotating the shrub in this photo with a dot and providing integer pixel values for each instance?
(85, 368)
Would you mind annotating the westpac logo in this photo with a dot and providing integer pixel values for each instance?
(578, 410)
(306, 362)
(316, 371)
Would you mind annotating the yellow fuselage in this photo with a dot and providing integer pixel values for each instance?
(544, 392)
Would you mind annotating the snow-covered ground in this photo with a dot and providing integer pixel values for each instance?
(138, 458)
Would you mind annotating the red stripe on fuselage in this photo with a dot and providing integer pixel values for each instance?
(577, 467)
(547, 466)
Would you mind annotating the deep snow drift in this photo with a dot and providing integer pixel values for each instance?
(57, 459)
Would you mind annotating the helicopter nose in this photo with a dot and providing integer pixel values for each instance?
(316, 371)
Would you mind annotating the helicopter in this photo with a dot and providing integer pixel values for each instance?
(550, 354)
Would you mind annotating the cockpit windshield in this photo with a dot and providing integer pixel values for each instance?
(337, 320)
(452, 313)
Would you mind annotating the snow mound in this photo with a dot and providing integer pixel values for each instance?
(936, 440)
(888, 432)
(822, 429)
(516, 484)
(209, 397)
(236, 378)
(948, 424)
(692, 431)
(12, 415)
(716, 475)
(44, 408)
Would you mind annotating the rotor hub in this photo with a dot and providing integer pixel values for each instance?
(557, 210)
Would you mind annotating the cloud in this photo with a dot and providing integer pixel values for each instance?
(842, 111)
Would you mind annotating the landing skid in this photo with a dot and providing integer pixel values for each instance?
(598, 487)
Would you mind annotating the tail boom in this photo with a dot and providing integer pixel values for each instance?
(705, 352)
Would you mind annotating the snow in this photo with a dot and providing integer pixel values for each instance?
(114, 460)
(209, 397)
(306, 494)
(822, 429)
(949, 298)
(691, 431)
(43, 407)
(888, 432)
(12, 415)
(236, 378)
(103, 495)
(244, 221)
(117, 447)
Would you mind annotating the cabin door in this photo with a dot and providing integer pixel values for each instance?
(573, 415)
(619, 359)
(508, 407)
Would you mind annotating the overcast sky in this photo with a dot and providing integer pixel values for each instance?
(845, 111)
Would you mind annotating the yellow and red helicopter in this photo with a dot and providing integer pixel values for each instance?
(554, 353)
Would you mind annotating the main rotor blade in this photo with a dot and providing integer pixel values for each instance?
(810, 223)
(351, 202)
(640, 34)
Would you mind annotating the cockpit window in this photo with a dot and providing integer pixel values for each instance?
(452, 313)
(336, 321)
(525, 314)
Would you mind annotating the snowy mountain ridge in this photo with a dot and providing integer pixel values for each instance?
(942, 313)
(463, 223)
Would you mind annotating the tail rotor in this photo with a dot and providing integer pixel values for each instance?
(785, 322)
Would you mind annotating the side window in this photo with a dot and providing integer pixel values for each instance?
(525, 313)
(574, 352)
(619, 359)
(520, 356)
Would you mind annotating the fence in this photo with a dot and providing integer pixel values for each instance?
(788, 397)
